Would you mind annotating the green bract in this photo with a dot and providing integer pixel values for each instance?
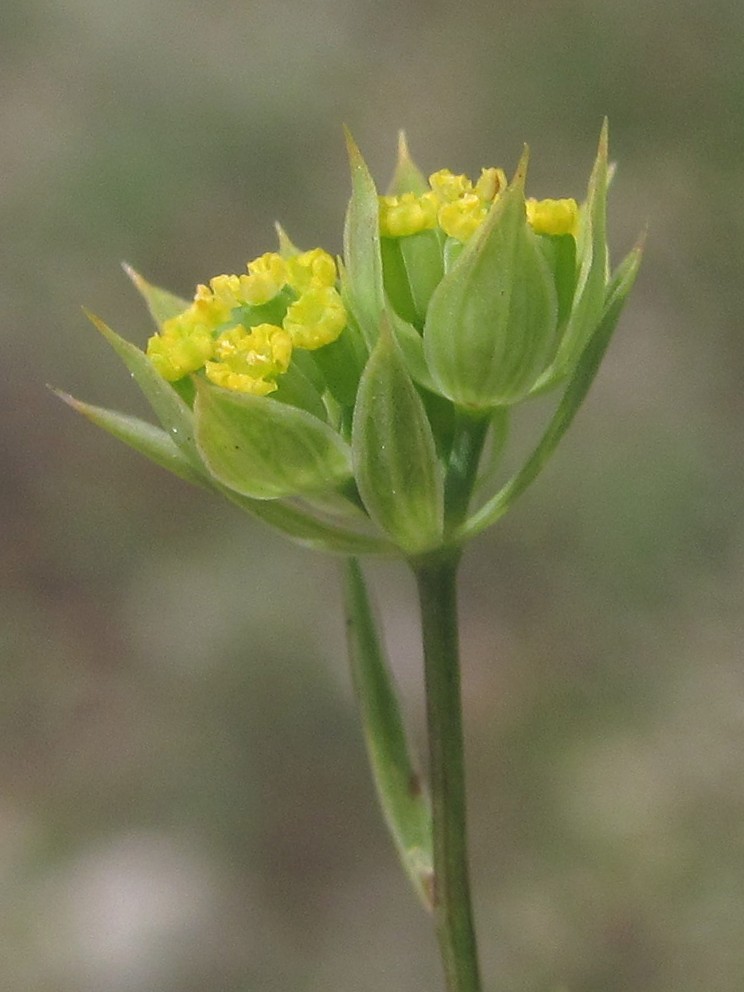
(349, 404)
(491, 326)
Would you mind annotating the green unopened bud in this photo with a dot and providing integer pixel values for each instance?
(491, 325)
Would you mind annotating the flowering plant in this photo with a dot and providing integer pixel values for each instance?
(360, 405)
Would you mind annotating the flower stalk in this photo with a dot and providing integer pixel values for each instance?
(437, 589)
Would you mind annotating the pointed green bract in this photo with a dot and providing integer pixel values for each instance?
(407, 178)
(363, 265)
(264, 449)
(287, 248)
(491, 324)
(424, 267)
(174, 415)
(149, 440)
(397, 287)
(161, 303)
(402, 796)
(295, 388)
(395, 459)
(306, 529)
(589, 295)
(559, 252)
(411, 344)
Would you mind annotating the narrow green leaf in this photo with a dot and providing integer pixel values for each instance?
(174, 415)
(405, 804)
(395, 459)
(161, 303)
(571, 400)
(363, 265)
(149, 440)
(265, 449)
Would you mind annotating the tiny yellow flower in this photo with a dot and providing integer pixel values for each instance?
(448, 186)
(310, 268)
(462, 217)
(182, 346)
(553, 216)
(454, 203)
(317, 318)
(215, 333)
(490, 184)
(407, 214)
(249, 361)
(266, 277)
(220, 299)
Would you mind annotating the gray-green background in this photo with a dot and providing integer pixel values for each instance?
(184, 801)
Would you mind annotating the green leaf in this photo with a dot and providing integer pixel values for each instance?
(574, 395)
(150, 441)
(404, 802)
(161, 303)
(265, 449)
(363, 266)
(174, 415)
(395, 459)
(491, 324)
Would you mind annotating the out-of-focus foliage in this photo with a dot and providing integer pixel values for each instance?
(184, 804)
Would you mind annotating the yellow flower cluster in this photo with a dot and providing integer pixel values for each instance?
(553, 216)
(453, 203)
(459, 206)
(242, 329)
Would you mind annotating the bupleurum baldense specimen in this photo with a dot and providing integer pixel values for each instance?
(349, 404)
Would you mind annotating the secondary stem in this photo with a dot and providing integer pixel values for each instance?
(452, 908)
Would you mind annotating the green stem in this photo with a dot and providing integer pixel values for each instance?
(471, 429)
(436, 581)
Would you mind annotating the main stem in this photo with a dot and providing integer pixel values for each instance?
(452, 908)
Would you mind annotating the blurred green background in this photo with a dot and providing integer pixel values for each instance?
(184, 801)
